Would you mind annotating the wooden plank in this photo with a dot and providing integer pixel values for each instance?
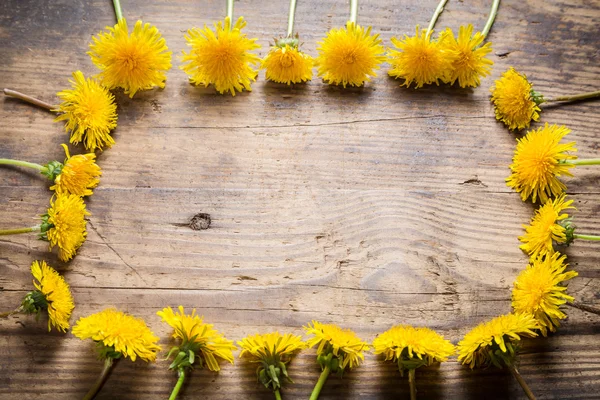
(364, 207)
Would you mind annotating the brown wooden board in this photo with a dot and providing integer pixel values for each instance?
(364, 207)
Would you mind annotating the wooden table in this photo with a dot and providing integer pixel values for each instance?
(364, 207)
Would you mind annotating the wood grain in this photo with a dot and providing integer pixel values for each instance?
(364, 207)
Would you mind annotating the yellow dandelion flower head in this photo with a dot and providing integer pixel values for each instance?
(221, 58)
(78, 175)
(271, 347)
(470, 64)
(478, 347)
(540, 290)
(342, 343)
(539, 160)
(420, 60)
(513, 100)
(349, 56)
(135, 61)
(198, 336)
(64, 225)
(57, 295)
(413, 347)
(545, 228)
(123, 333)
(90, 111)
(287, 64)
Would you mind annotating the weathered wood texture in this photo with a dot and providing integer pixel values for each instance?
(363, 207)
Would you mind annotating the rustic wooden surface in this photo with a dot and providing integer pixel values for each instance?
(363, 207)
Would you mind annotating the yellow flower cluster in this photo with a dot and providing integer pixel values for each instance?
(64, 225)
(539, 290)
(478, 347)
(90, 111)
(57, 298)
(343, 344)
(221, 58)
(514, 100)
(132, 61)
(539, 160)
(419, 60)
(412, 347)
(119, 334)
(200, 338)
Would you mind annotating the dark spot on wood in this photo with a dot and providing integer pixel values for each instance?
(155, 106)
(473, 181)
(200, 221)
(503, 54)
(246, 278)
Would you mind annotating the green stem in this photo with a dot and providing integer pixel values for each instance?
(9, 313)
(229, 8)
(412, 384)
(353, 10)
(521, 381)
(291, 16)
(16, 231)
(29, 99)
(584, 161)
(575, 97)
(436, 15)
(584, 307)
(108, 363)
(315, 393)
(177, 388)
(8, 161)
(118, 11)
(277, 395)
(491, 18)
(595, 238)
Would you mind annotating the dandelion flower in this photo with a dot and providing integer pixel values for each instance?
(136, 61)
(494, 339)
(412, 347)
(342, 343)
(78, 175)
(198, 337)
(349, 56)
(337, 349)
(221, 58)
(470, 64)
(90, 112)
(273, 351)
(545, 228)
(514, 100)
(64, 225)
(52, 295)
(539, 160)
(540, 290)
(420, 60)
(287, 64)
(120, 333)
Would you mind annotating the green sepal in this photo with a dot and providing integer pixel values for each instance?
(537, 97)
(333, 362)
(45, 226)
(188, 353)
(406, 362)
(53, 169)
(105, 352)
(501, 358)
(567, 223)
(292, 41)
(34, 302)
